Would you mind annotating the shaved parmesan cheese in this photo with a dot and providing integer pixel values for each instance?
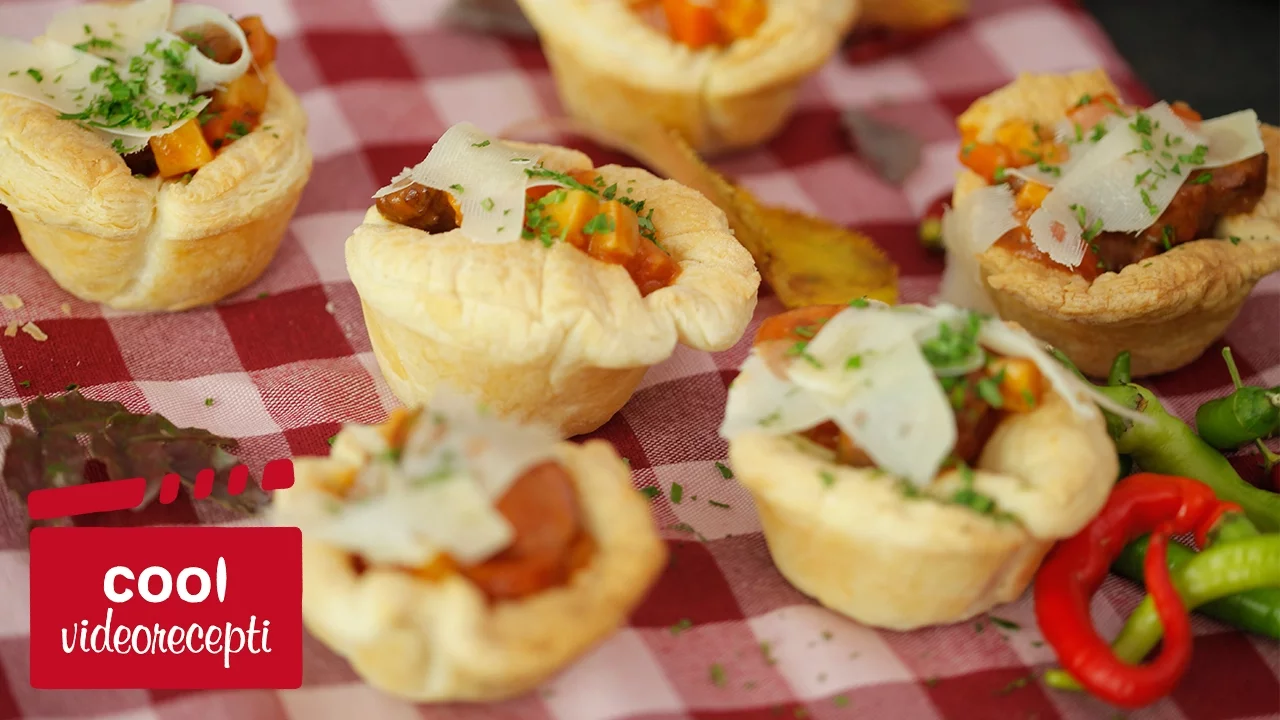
(435, 495)
(119, 70)
(1128, 179)
(900, 417)
(486, 177)
(761, 401)
(969, 229)
(867, 371)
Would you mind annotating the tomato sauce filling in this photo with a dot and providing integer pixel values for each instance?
(1202, 199)
(592, 216)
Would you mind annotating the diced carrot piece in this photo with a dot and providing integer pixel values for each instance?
(248, 91)
(985, 159)
(799, 324)
(1021, 384)
(1185, 112)
(691, 23)
(614, 232)
(261, 43)
(741, 18)
(571, 214)
(1032, 195)
(182, 151)
(225, 127)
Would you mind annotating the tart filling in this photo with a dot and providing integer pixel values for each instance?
(908, 390)
(699, 24)
(495, 193)
(167, 86)
(454, 490)
(1111, 184)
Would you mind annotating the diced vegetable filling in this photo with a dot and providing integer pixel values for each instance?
(981, 394)
(597, 218)
(233, 111)
(550, 541)
(700, 24)
(1202, 198)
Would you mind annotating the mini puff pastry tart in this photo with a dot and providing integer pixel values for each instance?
(1102, 226)
(150, 154)
(911, 466)
(543, 286)
(452, 555)
(723, 73)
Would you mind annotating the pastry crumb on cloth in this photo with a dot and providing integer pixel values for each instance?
(285, 375)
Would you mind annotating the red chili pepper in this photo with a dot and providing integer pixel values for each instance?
(1161, 505)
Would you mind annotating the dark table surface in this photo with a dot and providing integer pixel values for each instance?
(1217, 55)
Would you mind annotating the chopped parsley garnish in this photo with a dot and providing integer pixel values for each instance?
(999, 175)
(1151, 206)
(238, 130)
(1079, 131)
(681, 625)
(118, 145)
(1001, 622)
(482, 143)
(39, 76)
(598, 225)
(1166, 237)
(716, 672)
(1029, 398)
(719, 504)
(96, 43)
(208, 402)
(989, 390)
(650, 492)
(951, 346)
(677, 492)
(456, 188)
(859, 302)
(828, 478)
(854, 362)
(1092, 231)
(1099, 132)
(1141, 124)
(725, 472)
(487, 204)
(1202, 179)
(1085, 99)
(1196, 156)
(121, 100)
(800, 349)
(1053, 170)
(1234, 240)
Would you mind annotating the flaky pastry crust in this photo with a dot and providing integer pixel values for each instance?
(613, 70)
(143, 243)
(1165, 311)
(861, 547)
(547, 334)
(435, 641)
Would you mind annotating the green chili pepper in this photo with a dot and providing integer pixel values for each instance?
(1246, 415)
(1219, 572)
(1167, 446)
(1120, 374)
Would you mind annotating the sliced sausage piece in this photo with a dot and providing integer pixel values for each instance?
(421, 207)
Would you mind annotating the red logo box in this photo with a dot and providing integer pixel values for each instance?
(166, 607)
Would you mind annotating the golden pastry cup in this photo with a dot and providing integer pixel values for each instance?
(441, 640)
(146, 243)
(615, 72)
(860, 547)
(547, 334)
(1165, 311)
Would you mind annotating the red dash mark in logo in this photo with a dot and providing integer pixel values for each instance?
(163, 607)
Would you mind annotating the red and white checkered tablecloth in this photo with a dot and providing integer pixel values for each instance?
(287, 360)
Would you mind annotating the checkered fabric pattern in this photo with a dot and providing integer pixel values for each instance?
(287, 360)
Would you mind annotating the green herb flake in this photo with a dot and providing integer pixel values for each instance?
(999, 175)
(36, 74)
(725, 472)
(681, 625)
(828, 478)
(1085, 99)
(208, 402)
(989, 390)
(25, 383)
(331, 440)
(1151, 206)
(1015, 684)
(1167, 237)
(482, 143)
(724, 506)
(598, 225)
(766, 651)
(853, 362)
(1003, 623)
(650, 492)
(1099, 132)
(1029, 398)
(487, 204)
(1234, 240)
(72, 386)
(677, 492)
(933, 681)
(840, 701)
(456, 188)
(1202, 179)
(716, 673)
